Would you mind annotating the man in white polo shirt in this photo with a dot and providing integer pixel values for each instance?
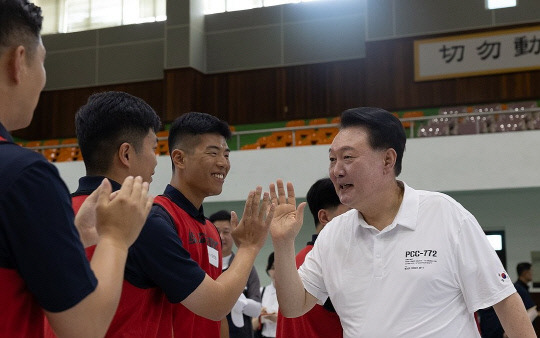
(402, 262)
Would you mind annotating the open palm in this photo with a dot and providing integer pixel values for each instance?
(288, 218)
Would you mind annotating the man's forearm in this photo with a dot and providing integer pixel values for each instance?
(214, 299)
(236, 276)
(514, 318)
(289, 287)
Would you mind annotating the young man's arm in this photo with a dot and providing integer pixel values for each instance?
(253, 295)
(224, 328)
(293, 299)
(214, 299)
(514, 318)
(119, 222)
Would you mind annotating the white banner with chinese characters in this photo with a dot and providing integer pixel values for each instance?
(501, 51)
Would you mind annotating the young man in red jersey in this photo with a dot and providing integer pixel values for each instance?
(43, 268)
(116, 133)
(178, 248)
(200, 159)
(117, 136)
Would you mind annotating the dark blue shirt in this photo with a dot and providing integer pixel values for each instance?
(37, 234)
(157, 258)
(523, 290)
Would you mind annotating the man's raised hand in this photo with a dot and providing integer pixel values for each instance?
(253, 227)
(288, 219)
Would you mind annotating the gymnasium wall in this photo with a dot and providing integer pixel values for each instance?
(495, 176)
(277, 63)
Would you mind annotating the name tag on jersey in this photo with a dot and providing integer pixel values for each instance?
(213, 256)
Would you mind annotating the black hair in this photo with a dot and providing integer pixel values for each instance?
(270, 262)
(20, 24)
(384, 129)
(321, 195)
(107, 120)
(522, 267)
(222, 215)
(186, 129)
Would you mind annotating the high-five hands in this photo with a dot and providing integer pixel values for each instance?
(288, 218)
(119, 216)
(253, 227)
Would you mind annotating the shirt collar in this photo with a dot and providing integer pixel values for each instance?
(87, 184)
(4, 133)
(179, 199)
(407, 214)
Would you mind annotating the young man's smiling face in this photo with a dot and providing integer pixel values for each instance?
(205, 167)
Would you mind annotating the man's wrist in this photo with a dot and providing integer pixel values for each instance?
(283, 244)
(250, 249)
(112, 241)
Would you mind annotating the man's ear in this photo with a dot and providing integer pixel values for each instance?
(124, 153)
(390, 157)
(178, 157)
(322, 215)
(16, 63)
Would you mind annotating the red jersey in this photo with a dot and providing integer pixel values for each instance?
(23, 317)
(141, 312)
(203, 243)
(318, 322)
(42, 262)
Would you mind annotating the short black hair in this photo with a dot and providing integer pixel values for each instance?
(321, 195)
(20, 25)
(522, 267)
(270, 262)
(186, 129)
(384, 129)
(188, 126)
(107, 120)
(222, 215)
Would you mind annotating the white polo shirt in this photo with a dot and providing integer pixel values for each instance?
(422, 276)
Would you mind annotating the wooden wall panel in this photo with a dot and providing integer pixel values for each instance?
(54, 116)
(254, 96)
(391, 85)
(266, 95)
(183, 92)
(385, 78)
(215, 98)
(324, 89)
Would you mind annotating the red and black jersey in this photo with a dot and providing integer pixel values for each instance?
(42, 261)
(142, 311)
(201, 239)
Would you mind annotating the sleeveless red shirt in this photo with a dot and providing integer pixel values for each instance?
(203, 243)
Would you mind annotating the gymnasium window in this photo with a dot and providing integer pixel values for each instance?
(220, 6)
(64, 16)
(495, 4)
